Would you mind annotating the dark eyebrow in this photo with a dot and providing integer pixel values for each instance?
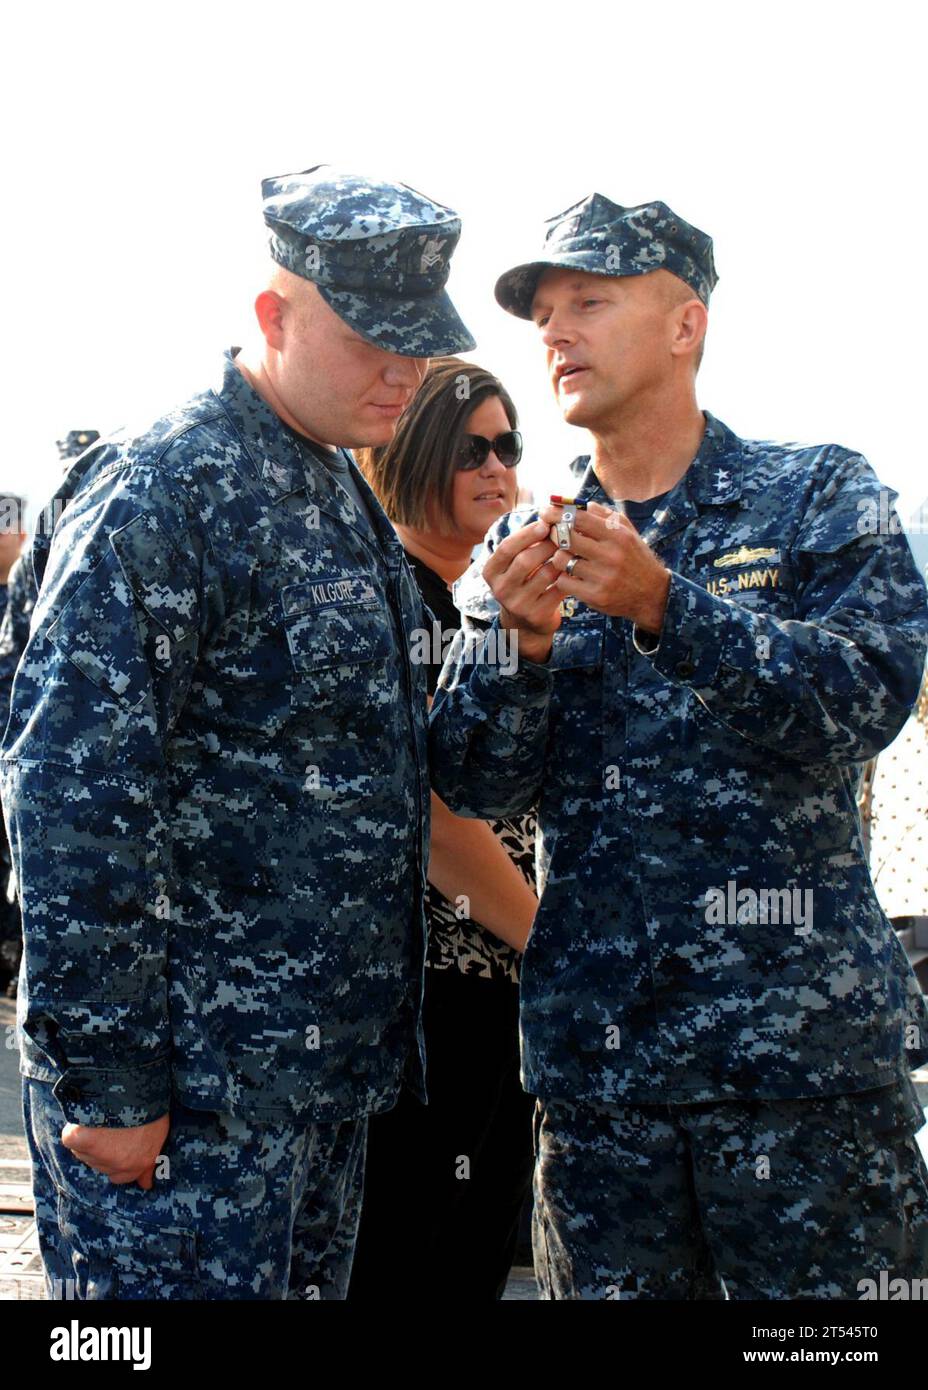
(576, 284)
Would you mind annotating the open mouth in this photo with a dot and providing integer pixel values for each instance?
(492, 495)
(565, 373)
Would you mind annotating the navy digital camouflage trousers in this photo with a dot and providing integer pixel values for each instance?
(778, 1199)
(240, 1211)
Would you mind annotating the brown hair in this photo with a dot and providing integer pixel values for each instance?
(417, 467)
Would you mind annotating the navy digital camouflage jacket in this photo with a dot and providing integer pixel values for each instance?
(692, 797)
(215, 782)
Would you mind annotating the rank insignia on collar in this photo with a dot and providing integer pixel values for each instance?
(281, 475)
(745, 556)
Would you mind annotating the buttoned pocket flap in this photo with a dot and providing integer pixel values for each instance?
(578, 643)
(344, 634)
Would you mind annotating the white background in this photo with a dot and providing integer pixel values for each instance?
(136, 138)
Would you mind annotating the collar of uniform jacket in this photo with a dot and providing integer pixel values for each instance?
(713, 479)
(285, 468)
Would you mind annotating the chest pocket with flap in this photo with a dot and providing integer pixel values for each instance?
(335, 623)
(578, 642)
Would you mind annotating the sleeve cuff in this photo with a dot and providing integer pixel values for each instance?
(691, 642)
(115, 1099)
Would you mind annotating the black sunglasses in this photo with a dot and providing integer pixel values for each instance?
(475, 450)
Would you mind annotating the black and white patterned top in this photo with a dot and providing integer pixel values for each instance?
(461, 942)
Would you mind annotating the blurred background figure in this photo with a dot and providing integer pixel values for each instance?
(17, 600)
(18, 575)
(74, 444)
(12, 533)
(12, 537)
(445, 1183)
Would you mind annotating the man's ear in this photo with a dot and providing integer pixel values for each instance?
(269, 311)
(692, 320)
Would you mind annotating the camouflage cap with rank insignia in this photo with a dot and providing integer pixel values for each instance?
(379, 254)
(603, 238)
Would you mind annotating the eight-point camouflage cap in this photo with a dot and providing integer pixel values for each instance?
(379, 254)
(75, 442)
(604, 238)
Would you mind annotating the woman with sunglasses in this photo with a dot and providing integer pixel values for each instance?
(445, 1183)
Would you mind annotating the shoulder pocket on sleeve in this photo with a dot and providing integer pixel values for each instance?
(154, 570)
(97, 631)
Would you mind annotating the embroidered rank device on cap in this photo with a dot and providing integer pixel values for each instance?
(603, 238)
(379, 254)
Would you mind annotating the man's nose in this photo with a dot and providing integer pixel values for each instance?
(405, 371)
(557, 331)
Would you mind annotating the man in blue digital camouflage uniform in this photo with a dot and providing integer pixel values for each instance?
(717, 1017)
(20, 582)
(216, 788)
